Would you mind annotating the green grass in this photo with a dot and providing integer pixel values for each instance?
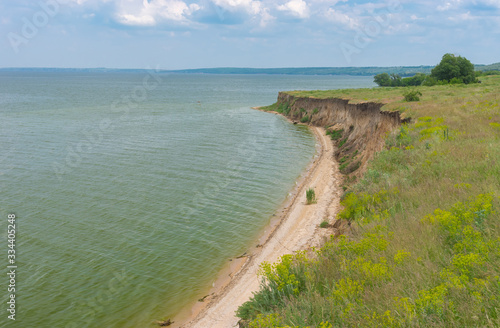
(393, 98)
(310, 196)
(424, 244)
(335, 134)
(280, 108)
(304, 119)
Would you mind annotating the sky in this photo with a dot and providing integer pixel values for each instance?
(178, 34)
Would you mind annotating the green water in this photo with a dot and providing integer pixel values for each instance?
(132, 190)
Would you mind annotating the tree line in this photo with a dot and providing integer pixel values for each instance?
(451, 70)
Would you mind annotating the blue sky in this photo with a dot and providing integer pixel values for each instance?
(175, 34)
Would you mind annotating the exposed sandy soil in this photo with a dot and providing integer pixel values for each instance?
(296, 229)
(363, 127)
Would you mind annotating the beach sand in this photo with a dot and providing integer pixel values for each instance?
(296, 227)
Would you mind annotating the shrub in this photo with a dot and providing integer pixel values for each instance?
(415, 80)
(310, 196)
(429, 81)
(335, 134)
(456, 80)
(305, 119)
(394, 80)
(453, 68)
(413, 95)
(324, 224)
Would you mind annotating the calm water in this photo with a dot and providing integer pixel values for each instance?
(132, 190)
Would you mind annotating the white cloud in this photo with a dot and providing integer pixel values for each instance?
(84, 2)
(139, 20)
(254, 9)
(341, 18)
(266, 18)
(461, 17)
(449, 5)
(328, 2)
(154, 12)
(493, 3)
(297, 8)
(248, 4)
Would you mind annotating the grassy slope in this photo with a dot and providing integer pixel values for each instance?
(424, 248)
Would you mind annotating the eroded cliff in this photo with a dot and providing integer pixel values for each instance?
(358, 130)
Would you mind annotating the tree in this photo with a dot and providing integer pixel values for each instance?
(415, 80)
(454, 68)
(396, 80)
(429, 81)
(383, 80)
(386, 80)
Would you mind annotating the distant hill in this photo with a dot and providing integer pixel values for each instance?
(57, 69)
(366, 71)
(491, 67)
(360, 71)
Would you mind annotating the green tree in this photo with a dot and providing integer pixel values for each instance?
(383, 80)
(415, 80)
(454, 68)
(429, 81)
(396, 80)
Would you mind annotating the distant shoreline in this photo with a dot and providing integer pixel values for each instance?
(327, 71)
(403, 71)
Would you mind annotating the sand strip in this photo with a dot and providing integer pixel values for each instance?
(297, 228)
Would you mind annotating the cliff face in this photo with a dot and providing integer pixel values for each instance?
(358, 130)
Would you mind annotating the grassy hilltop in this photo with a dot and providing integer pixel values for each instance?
(423, 249)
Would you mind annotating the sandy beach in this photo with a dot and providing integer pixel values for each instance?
(295, 228)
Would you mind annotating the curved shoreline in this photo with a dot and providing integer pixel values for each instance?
(296, 228)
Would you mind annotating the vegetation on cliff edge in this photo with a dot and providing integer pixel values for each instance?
(452, 69)
(423, 249)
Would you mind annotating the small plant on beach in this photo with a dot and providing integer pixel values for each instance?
(305, 119)
(310, 196)
(324, 224)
